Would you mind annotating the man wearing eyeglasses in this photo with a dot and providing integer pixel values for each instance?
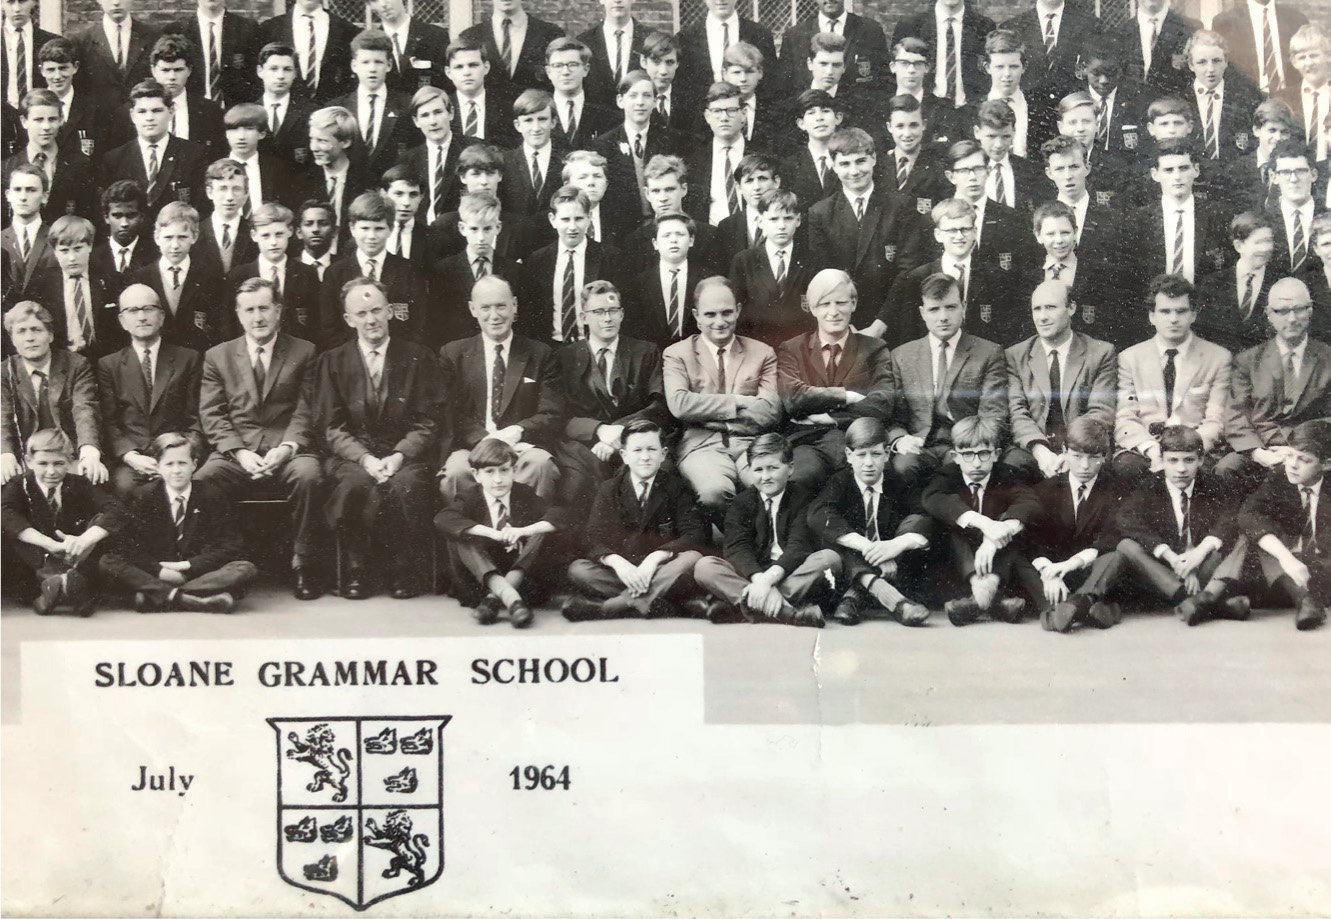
(1275, 387)
(1293, 217)
(713, 190)
(147, 388)
(610, 380)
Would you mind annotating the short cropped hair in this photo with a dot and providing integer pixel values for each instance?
(630, 80)
(1053, 210)
(250, 285)
(770, 444)
(1292, 149)
(1168, 105)
(976, 431)
(912, 44)
(50, 440)
(685, 219)
(938, 286)
(564, 43)
(400, 173)
(719, 92)
(756, 162)
(601, 288)
(850, 142)
(815, 98)
(533, 101)
(1204, 37)
(271, 212)
(225, 168)
(780, 199)
(178, 212)
(28, 169)
(275, 49)
(1272, 110)
(1004, 41)
(370, 206)
(462, 45)
(570, 195)
(640, 426)
(716, 280)
(865, 432)
(662, 165)
(169, 441)
(1308, 36)
(148, 89)
(69, 230)
(124, 191)
(484, 158)
(491, 452)
(994, 113)
(476, 205)
(580, 157)
(1247, 223)
(961, 150)
(1313, 437)
(1171, 285)
(337, 121)
(904, 102)
(1179, 439)
(826, 42)
(28, 309)
(1181, 147)
(246, 115)
(1089, 435)
(38, 97)
(315, 204)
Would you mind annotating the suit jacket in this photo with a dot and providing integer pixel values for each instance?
(70, 395)
(799, 173)
(407, 294)
(282, 181)
(1235, 25)
(1276, 508)
(19, 276)
(179, 175)
(528, 70)
(709, 412)
(205, 129)
(1162, 79)
(208, 540)
(39, 38)
(300, 295)
(808, 388)
(82, 506)
(636, 389)
(1089, 386)
(532, 397)
(73, 190)
(597, 118)
(517, 237)
(209, 248)
(1220, 316)
(424, 59)
(991, 310)
(771, 312)
(749, 531)
(334, 72)
(1280, 257)
(1201, 392)
(974, 29)
(1148, 517)
(1240, 100)
(1059, 65)
(1005, 497)
(1058, 534)
(397, 131)
(867, 53)
(200, 317)
(839, 509)
(292, 140)
(238, 56)
(645, 304)
(406, 418)
(700, 163)
(537, 317)
(1264, 406)
(874, 252)
(623, 199)
(235, 415)
(600, 83)
(525, 507)
(89, 120)
(925, 182)
(976, 384)
(496, 126)
(98, 64)
(1146, 247)
(456, 275)
(103, 310)
(417, 159)
(103, 261)
(732, 237)
(620, 525)
(131, 417)
(695, 61)
(516, 193)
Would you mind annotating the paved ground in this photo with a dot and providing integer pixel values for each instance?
(1149, 669)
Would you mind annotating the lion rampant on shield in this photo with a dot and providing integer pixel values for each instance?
(331, 768)
(408, 849)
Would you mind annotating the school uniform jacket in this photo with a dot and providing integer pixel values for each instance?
(82, 505)
(103, 310)
(407, 296)
(208, 247)
(397, 131)
(524, 505)
(976, 384)
(529, 67)
(1162, 79)
(208, 539)
(620, 525)
(1201, 392)
(695, 61)
(1240, 100)
(708, 412)
(771, 312)
(867, 54)
(198, 320)
(1146, 251)
(89, 120)
(596, 119)
(300, 295)
(1056, 67)
(238, 57)
(808, 388)
(749, 531)
(235, 415)
(990, 308)
(20, 276)
(1276, 507)
(1220, 315)
(1265, 407)
(103, 262)
(622, 203)
(1005, 497)
(71, 398)
(179, 174)
(645, 305)
(72, 189)
(424, 59)
(131, 417)
(406, 419)
(1235, 24)
(1147, 516)
(1057, 534)
(636, 390)
(98, 63)
(417, 159)
(516, 193)
(334, 72)
(839, 509)
(799, 173)
(451, 319)
(974, 29)
(600, 83)
(1089, 384)
(536, 318)
(292, 141)
(532, 396)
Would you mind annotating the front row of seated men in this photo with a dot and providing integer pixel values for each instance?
(388, 415)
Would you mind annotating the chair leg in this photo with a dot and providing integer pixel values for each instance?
(337, 558)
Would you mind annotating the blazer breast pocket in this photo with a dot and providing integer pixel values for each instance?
(747, 386)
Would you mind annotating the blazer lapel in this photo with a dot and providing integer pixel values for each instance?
(517, 366)
(847, 359)
(1072, 372)
(1293, 389)
(243, 369)
(873, 208)
(56, 383)
(958, 359)
(161, 376)
(1039, 371)
(274, 365)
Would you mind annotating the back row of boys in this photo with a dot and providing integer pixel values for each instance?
(871, 493)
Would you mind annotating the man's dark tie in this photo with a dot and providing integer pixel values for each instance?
(372, 272)
(638, 149)
(481, 268)
(619, 55)
(1076, 505)
(473, 120)
(40, 160)
(277, 281)
(1050, 38)
(178, 516)
(122, 58)
(859, 208)
(1289, 381)
(81, 312)
(259, 375)
(673, 304)
(1274, 79)
(311, 55)
(603, 367)
(497, 383)
(732, 191)
(950, 54)
(214, 65)
(24, 244)
(822, 171)
(439, 183)
(1249, 295)
(720, 369)
(568, 305)
(642, 495)
(503, 519)
(537, 179)
(976, 502)
(148, 370)
(572, 119)
(123, 264)
(1185, 528)
(871, 514)
(275, 123)
(506, 45)
(1171, 374)
(903, 171)
(44, 417)
(226, 240)
(1308, 534)
(397, 54)
(830, 359)
(1056, 422)
(1210, 136)
(21, 65)
(764, 528)
(1298, 249)
(781, 269)
(591, 230)
(369, 123)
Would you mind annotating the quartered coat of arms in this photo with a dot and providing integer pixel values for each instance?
(360, 805)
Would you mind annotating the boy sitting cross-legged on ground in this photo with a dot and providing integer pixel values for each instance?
(495, 534)
(645, 533)
(982, 507)
(863, 512)
(773, 569)
(58, 519)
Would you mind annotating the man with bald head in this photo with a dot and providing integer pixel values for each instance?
(1055, 377)
(379, 401)
(501, 385)
(147, 388)
(1275, 386)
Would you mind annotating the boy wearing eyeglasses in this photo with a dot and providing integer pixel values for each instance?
(982, 508)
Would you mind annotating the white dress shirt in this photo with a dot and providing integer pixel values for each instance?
(264, 269)
(1042, 13)
(398, 39)
(76, 340)
(1171, 215)
(283, 105)
(517, 35)
(1313, 500)
(959, 269)
(1017, 102)
(117, 249)
(1009, 181)
(1303, 213)
(161, 153)
(949, 348)
(253, 178)
(543, 157)
(399, 239)
(837, 25)
(300, 33)
(464, 108)
(941, 17)
(626, 40)
(1062, 351)
(320, 264)
(714, 350)
(168, 281)
(11, 60)
(180, 116)
(776, 255)
(1316, 133)
(49, 167)
(1106, 103)
(720, 208)
(717, 32)
(233, 230)
(1148, 30)
(1069, 273)
(438, 154)
(1241, 285)
(1079, 209)
(208, 63)
(579, 256)
(1184, 348)
(1256, 13)
(1176, 502)
(1297, 353)
(173, 497)
(490, 349)
(561, 108)
(366, 261)
(117, 36)
(339, 192)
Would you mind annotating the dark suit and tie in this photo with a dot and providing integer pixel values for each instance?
(68, 400)
(408, 295)
(660, 310)
(395, 132)
(512, 73)
(28, 259)
(992, 310)
(772, 309)
(544, 310)
(867, 53)
(1052, 46)
(1281, 509)
(519, 192)
(442, 188)
(227, 249)
(973, 29)
(223, 69)
(298, 286)
(93, 306)
(1161, 79)
(196, 320)
(421, 61)
(1248, 48)
(1230, 307)
(457, 273)
(80, 506)
(327, 74)
(119, 68)
(179, 177)
(695, 60)
(800, 174)
(606, 67)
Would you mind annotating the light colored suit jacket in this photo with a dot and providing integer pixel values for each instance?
(976, 384)
(235, 415)
(1089, 384)
(1201, 392)
(1264, 407)
(747, 406)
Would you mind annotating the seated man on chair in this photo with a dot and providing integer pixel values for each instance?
(254, 405)
(379, 403)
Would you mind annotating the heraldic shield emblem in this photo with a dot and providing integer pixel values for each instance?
(360, 805)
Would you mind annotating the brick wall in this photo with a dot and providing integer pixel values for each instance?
(80, 12)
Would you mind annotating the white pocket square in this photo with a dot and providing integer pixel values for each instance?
(528, 380)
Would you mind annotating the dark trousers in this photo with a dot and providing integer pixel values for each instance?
(1159, 579)
(817, 456)
(395, 514)
(1094, 582)
(673, 579)
(480, 558)
(582, 473)
(719, 578)
(231, 577)
(124, 480)
(300, 480)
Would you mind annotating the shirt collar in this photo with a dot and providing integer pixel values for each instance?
(1297, 350)
(1305, 208)
(941, 14)
(1089, 486)
(773, 250)
(171, 495)
(1181, 348)
(11, 31)
(116, 248)
(1070, 261)
(1062, 350)
(611, 348)
(310, 259)
(365, 349)
(252, 347)
(267, 266)
(712, 348)
(852, 197)
(152, 349)
(518, 19)
(43, 367)
(205, 20)
(828, 25)
(733, 21)
(1219, 89)
(506, 344)
(166, 266)
(110, 25)
(948, 262)
(819, 342)
(1174, 491)
(1316, 487)
(362, 259)
(579, 249)
(1170, 207)
(935, 342)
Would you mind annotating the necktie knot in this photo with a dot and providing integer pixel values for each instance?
(1171, 353)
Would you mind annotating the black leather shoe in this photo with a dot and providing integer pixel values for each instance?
(142, 604)
(1309, 615)
(1238, 608)
(661, 608)
(306, 586)
(910, 613)
(487, 611)
(723, 613)
(1195, 610)
(520, 615)
(353, 586)
(697, 607)
(48, 598)
(1104, 615)
(581, 609)
(405, 590)
(850, 611)
(962, 612)
(1009, 609)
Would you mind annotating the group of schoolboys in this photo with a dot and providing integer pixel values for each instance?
(309, 183)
